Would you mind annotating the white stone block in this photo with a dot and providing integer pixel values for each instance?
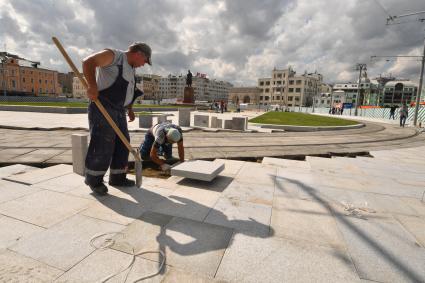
(198, 169)
(239, 123)
(79, 151)
(184, 117)
(214, 122)
(145, 121)
(201, 121)
(220, 123)
(227, 124)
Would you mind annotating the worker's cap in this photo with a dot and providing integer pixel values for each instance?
(173, 135)
(144, 48)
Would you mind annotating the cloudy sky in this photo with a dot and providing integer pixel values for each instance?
(235, 40)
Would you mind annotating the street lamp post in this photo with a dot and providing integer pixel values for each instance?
(419, 92)
(360, 67)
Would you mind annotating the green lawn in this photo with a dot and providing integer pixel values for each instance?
(299, 119)
(81, 104)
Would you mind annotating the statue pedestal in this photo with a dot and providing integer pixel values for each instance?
(189, 96)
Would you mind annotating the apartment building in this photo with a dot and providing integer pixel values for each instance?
(369, 92)
(244, 95)
(149, 84)
(286, 88)
(19, 79)
(78, 90)
(398, 92)
(205, 89)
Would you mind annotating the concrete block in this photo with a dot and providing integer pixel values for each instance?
(184, 117)
(219, 123)
(79, 151)
(145, 121)
(161, 118)
(239, 123)
(201, 121)
(213, 123)
(198, 169)
(228, 124)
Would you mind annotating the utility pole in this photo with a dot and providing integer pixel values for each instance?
(360, 67)
(392, 20)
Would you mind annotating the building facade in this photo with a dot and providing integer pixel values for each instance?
(78, 90)
(286, 88)
(205, 89)
(370, 93)
(244, 95)
(66, 81)
(17, 79)
(149, 84)
(398, 92)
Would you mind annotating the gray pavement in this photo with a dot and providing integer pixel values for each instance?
(324, 220)
(31, 145)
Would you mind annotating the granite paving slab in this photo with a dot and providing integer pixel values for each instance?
(44, 174)
(281, 260)
(65, 244)
(193, 246)
(303, 165)
(44, 208)
(38, 156)
(245, 217)
(15, 169)
(103, 263)
(198, 170)
(305, 220)
(255, 193)
(415, 225)
(188, 202)
(14, 231)
(17, 268)
(219, 184)
(231, 168)
(256, 173)
(381, 249)
(11, 190)
(62, 183)
(175, 275)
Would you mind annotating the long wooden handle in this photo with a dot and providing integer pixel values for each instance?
(97, 102)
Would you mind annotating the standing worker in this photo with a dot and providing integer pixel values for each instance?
(115, 89)
(159, 141)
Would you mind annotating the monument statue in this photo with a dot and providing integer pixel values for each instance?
(189, 79)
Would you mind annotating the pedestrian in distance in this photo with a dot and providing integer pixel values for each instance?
(115, 88)
(392, 111)
(403, 112)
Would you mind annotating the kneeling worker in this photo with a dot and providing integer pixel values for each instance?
(159, 141)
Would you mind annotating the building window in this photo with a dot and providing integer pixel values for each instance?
(298, 90)
(267, 97)
(267, 83)
(291, 89)
(278, 97)
(261, 97)
(13, 84)
(267, 90)
(298, 82)
(39, 81)
(297, 98)
(23, 80)
(291, 82)
(290, 98)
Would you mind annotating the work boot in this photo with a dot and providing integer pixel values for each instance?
(120, 180)
(100, 189)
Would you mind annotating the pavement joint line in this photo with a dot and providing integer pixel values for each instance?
(17, 219)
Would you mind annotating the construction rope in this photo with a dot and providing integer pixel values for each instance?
(109, 242)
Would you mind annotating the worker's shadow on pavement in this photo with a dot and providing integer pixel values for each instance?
(174, 215)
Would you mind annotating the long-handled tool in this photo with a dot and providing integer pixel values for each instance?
(137, 159)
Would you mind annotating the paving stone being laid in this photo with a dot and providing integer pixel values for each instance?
(44, 208)
(190, 245)
(13, 231)
(38, 176)
(187, 202)
(65, 244)
(15, 169)
(305, 220)
(198, 170)
(255, 193)
(104, 263)
(251, 259)
(17, 268)
(11, 190)
(63, 183)
(381, 249)
(245, 217)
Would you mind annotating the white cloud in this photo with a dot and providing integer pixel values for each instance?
(234, 40)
